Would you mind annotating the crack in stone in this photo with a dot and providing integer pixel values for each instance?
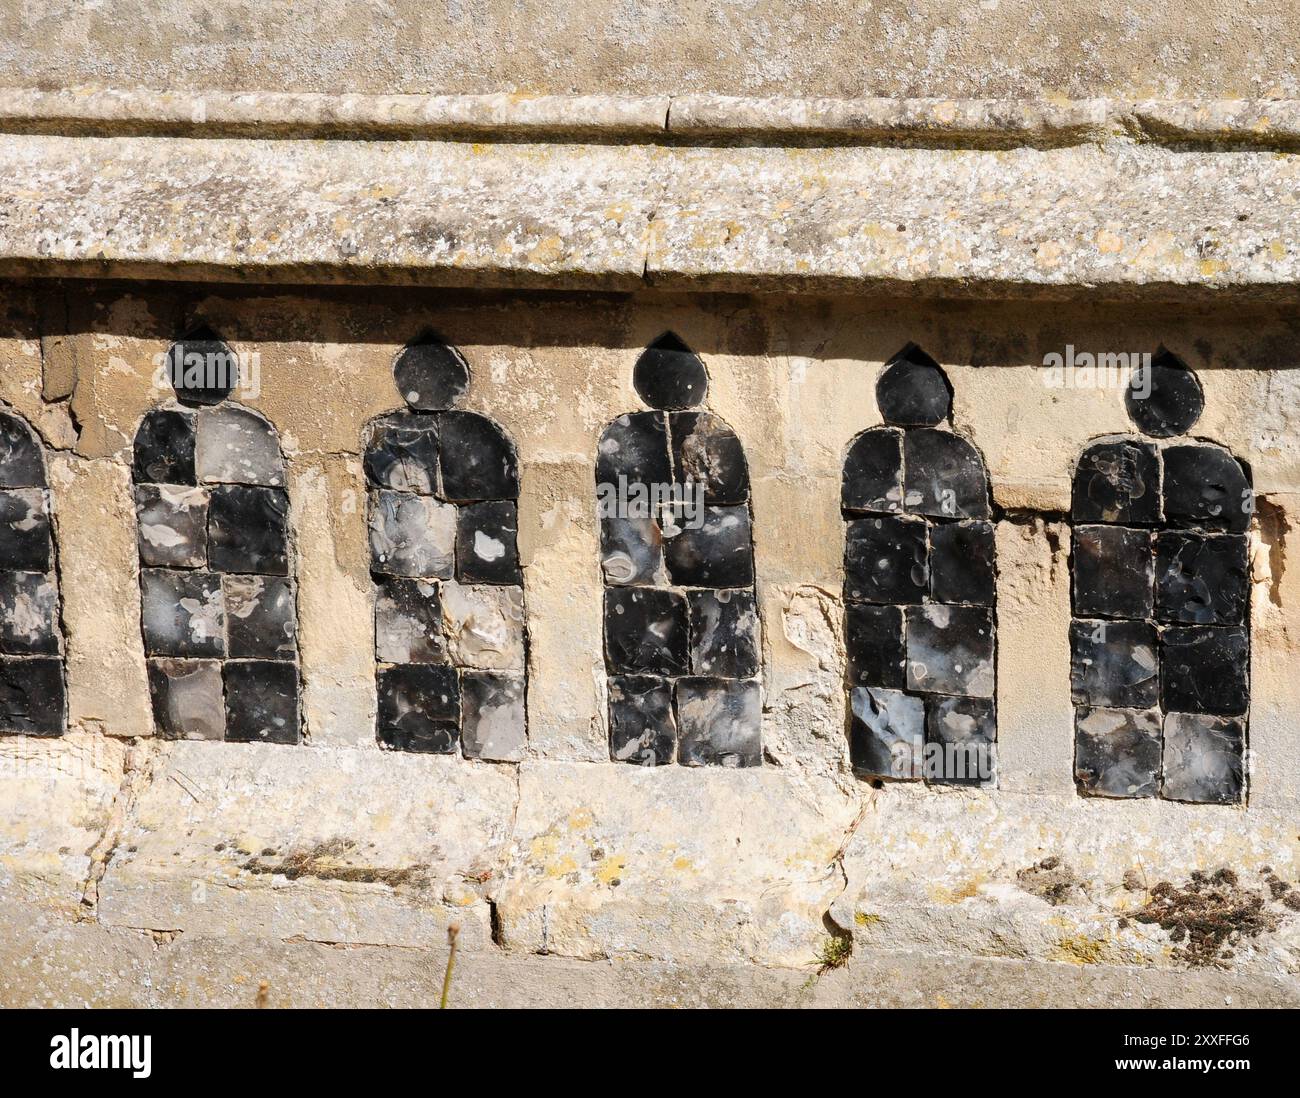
(137, 775)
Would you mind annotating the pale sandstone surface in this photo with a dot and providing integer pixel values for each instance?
(91, 965)
(95, 525)
(338, 845)
(940, 48)
(1131, 221)
(59, 798)
(174, 852)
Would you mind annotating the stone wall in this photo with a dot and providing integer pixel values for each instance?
(296, 676)
(139, 868)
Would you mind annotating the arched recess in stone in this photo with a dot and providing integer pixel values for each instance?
(33, 697)
(1160, 635)
(451, 637)
(681, 623)
(919, 588)
(217, 594)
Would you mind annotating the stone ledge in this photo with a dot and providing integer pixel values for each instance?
(588, 860)
(955, 123)
(51, 961)
(1123, 223)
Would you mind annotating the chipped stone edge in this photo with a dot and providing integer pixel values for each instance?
(956, 123)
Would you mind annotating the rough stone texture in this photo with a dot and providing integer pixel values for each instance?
(400, 885)
(95, 531)
(860, 218)
(941, 48)
(720, 871)
(652, 862)
(334, 601)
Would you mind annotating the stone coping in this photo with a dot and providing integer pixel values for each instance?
(1118, 221)
(958, 123)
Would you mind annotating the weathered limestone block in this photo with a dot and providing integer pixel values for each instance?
(254, 863)
(680, 862)
(59, 798)
(959, 873)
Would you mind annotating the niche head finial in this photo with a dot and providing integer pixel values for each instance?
(202, 368)
(431, 375)
(1164, 398)
(913, 390)
(669, 376)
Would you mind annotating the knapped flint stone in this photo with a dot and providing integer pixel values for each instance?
(961, 562)
(235, 445)
(419, 708)
(408, 622)
(886, 733)
(261, 620)
(487, 543)
(261, 701)
(188, 699)
(484, 626)
(1114, 664)
(248, 529)
(913, 391)
(172, 528)
(1165, 398)
(706, 451)
(875, 644)
(646, 632)
(1205, 669)
(22, 464)
(632, 551)
(202, 368)
(1203, 759)
(25, 530)
(950, 650)
(403, 455)
(634, 447)
(886, 560)
(32, 697)
(1117, 752)
(961, 736)
(1117, 481)
(29, 614)
(718, 554)
(477, 460)
(1202, 579)
(1112, 572)
(642, 726)
(181, 613)
(670, 375)
(430, 375)
(873, 472)
(1206, 486)
(724, 633)
(719, 722)
(165, 448)
(412, 535)
(492, 720)
(943, 476)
